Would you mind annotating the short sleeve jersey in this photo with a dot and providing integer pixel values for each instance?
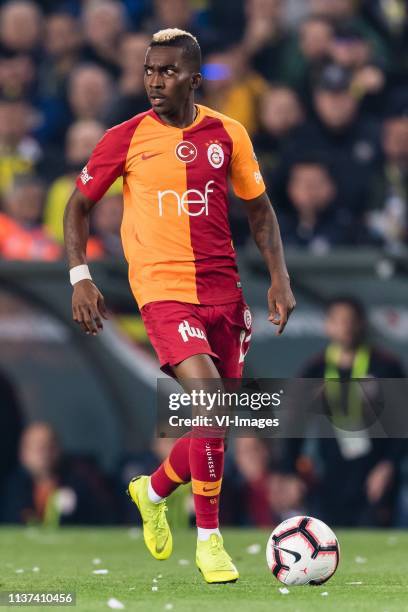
(175, 229)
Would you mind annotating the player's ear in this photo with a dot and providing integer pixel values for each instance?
(196, 80)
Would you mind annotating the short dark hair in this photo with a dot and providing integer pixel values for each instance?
(350, 301)
(173, 37)
(314, 157)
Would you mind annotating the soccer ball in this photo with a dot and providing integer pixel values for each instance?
(302, 550)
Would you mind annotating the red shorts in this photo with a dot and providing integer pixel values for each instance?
(178, 330)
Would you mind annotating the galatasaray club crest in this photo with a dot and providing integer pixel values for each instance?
(247, 318)
(215, 155)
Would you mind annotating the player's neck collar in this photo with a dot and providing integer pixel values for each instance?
(197, 119)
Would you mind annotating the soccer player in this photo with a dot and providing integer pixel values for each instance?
(175, 160)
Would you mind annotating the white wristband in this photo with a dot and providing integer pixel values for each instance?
(79, 273)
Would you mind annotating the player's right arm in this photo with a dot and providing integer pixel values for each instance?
(106, 164)
(88, 306)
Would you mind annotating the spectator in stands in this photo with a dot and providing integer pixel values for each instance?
(104, 24)
(349, 48)
(314, 219)
(17, 76)
(390, 19)
(355, 52)
(131, 98)
(22, 235)
(341, 135)
(265, 40)
(389, 200)
(24, 202)
(232, 87)
(20, 26)
(52, 488)
(309, 51)
(62, 43)
(62, 46)
(90, 91)
(280, 113)
(81, 139)
(348, 12)
(19, 152)
(315, 38)
(366, 468)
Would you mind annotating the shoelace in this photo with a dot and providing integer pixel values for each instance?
(159, 519)
(216, 547)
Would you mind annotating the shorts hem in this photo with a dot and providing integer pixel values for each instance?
(167, 366)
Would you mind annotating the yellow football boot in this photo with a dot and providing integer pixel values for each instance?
(214, 562)
(156, 530)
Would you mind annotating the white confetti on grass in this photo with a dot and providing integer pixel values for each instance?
(253, 549)
(19, 571)
(155, 580)
(360, 560)
(96, 561)
(160, 575)
(132, 588)
(100, 572)
(324, 594)
(115, 604)
(134, 533)
(284, 591)
(184, 562)
(168, 606)
(392, 540)
(36, 569)
(155, 588)
(357, 582)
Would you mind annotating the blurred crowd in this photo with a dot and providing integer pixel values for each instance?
(343, 480)
(320, 86)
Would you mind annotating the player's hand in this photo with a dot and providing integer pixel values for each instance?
(88, 307)
(379, 480)
(281, 303)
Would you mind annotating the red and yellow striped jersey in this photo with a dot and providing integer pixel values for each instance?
(175, 230)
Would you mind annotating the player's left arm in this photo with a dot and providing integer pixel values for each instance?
(265, 231)
(249, 187)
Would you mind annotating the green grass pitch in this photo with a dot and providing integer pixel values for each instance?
(65, 559)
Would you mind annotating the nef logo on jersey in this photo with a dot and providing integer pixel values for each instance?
(186, 151)
(188, 331)
(215, 155)
(187, 202)
(85, 176)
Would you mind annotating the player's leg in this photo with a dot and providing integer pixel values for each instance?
(175, 331)
(206, 459)
(174, 471)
